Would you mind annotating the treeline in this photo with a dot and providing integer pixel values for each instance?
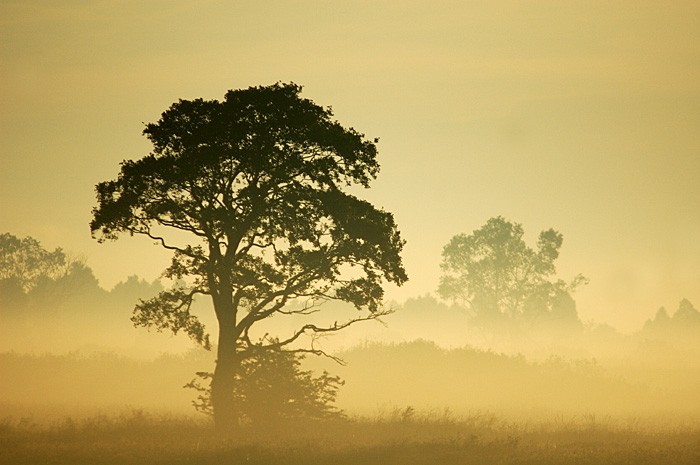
(432, 354)
(664, 338)
(51, 301)
(683, 323)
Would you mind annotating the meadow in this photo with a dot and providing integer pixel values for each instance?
(397, 437)
(410, 403)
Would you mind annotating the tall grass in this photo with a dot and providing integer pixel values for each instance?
(397, 436)
(508, 410)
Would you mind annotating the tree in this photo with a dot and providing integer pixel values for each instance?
(41, 291)
(683, 325)
(502, 281)
(28, 270)
(25, 262)
(686, 316)
(255, 182)
(272, 389)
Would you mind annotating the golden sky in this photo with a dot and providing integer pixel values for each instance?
(583, 116)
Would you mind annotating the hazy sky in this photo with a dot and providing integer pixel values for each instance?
(583, 116)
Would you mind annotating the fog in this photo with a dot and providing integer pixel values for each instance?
(430, 376)
(83, 356)
(581, 117)
(410, 232)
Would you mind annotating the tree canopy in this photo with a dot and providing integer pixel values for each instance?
(501, 280)
(248, 194)
(685, 323)
(24, 262)
(29, 272)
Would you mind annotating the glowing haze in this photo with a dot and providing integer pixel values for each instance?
(581, 116)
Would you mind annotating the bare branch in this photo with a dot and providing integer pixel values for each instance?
(307, 309)
(319, 352)
(160, 239)
(316, 330)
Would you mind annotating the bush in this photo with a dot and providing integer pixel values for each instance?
(272, 389)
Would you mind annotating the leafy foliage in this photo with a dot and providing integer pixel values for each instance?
(273, 389)
(256, 180)
(170, 310)
(502, 280)
(31, 274)
(24, 262)
(248, 195)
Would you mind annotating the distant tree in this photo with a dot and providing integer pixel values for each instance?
(686, 316)
(685, 323)
(659, 324)
(28, 270)
(502, 281)
(251, 190)
(272, 389)
(25, 262)
(135, 288)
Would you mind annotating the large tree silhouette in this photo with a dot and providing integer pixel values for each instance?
(248, 195)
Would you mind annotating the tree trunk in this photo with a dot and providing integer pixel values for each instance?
(227, 364)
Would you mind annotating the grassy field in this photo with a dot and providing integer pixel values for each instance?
(397, 437)
(503, 410)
